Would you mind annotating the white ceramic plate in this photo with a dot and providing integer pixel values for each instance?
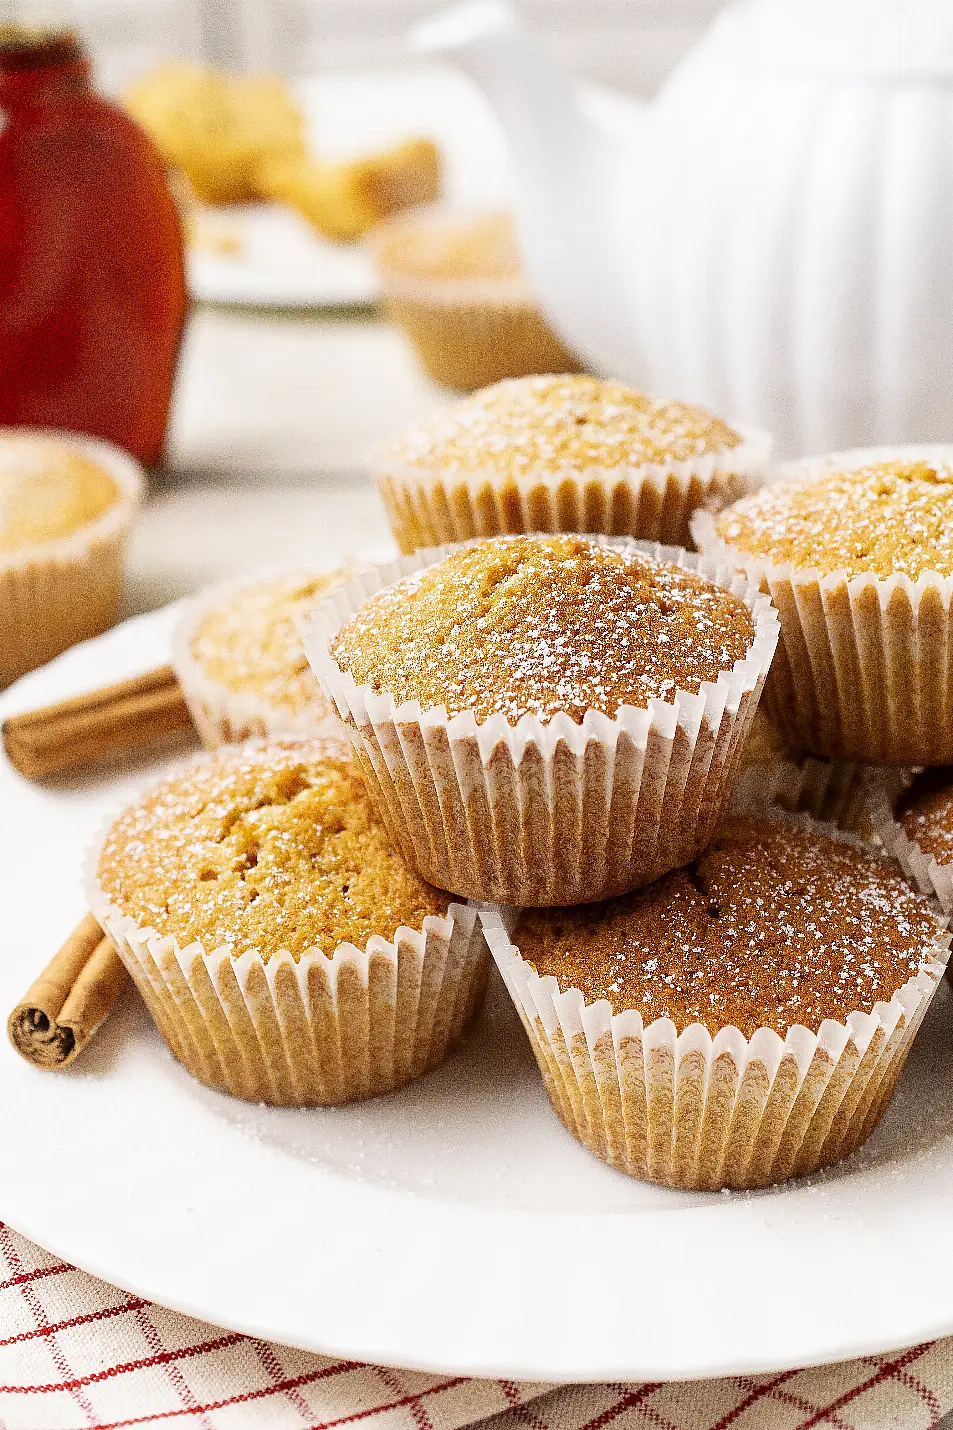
(279, 261)
(453, 1226)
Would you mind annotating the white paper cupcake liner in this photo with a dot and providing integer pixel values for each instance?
(864, 669)
(653, 502)
(61, 592)
(547, 812)
(314, 1031)
(224, 716)
(924, 870)
(839, 792)
(699, 1112)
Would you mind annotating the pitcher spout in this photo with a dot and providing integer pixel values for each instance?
(565, 167)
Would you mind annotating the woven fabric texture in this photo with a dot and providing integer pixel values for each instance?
(79, 1354)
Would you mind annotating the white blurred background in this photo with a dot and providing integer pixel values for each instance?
(276, 410)
(630, 44)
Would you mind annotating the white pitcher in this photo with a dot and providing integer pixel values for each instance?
(778, 244)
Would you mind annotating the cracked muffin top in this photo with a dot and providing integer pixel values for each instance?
(558, 423)
(885, 518)
(263, 848)
(774, 925)
(543, 625)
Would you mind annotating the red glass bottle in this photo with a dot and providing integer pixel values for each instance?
(92, 278)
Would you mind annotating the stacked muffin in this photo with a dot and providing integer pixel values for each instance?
(720, 988)
(856, 550)
(546, 719)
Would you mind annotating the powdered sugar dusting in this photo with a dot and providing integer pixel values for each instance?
(262, 848)
(772, 926)
(250, 641)
(886, 518)
(553, 424)
(926, 814)
(538, 625)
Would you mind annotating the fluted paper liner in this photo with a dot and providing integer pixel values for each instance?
(839, 792)
(864, 669)
(703, 1113)
(224, 716)
(928, 874)
(651, 501)
(547, 812)
(312, 1031)
(67, 590)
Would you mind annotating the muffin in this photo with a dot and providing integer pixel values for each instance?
(916, 825)
(563, 453)
(545, 720)
(455, 285)
(239, 658)
(286, 953)
(742, 1020)
(856, 551)
(66, 504)
(343, 199)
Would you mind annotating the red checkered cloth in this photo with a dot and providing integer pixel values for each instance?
(76, 1353)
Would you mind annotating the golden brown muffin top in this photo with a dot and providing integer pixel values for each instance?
(772, 926)
(549, 425)
(925, 813)
(885, 518)
(447, 249)
(250, 642)
(537, 625)
(262, 848)
(48, 490)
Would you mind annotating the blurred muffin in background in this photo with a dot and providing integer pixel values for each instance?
(218, 129)
(563, 452)
(455, 285)
(240, 661)
(243, 138)
(344, 200)
(65, 509)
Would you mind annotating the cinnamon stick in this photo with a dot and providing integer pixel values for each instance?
(78, 731)
(73, 995)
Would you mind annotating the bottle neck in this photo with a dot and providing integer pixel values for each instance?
(40, 64)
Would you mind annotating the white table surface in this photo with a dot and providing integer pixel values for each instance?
(273, 420)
